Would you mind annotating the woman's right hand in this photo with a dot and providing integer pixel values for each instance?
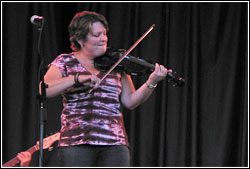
(56, 83)
(91, 81)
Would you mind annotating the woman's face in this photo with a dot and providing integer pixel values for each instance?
(96, 43)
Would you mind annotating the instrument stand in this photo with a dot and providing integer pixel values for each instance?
(42, 96)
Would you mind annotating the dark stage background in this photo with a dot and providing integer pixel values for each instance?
(204, 123)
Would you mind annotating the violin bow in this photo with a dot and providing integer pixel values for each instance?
(124, 55)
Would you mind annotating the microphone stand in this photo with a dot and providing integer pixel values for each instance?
(42, 96)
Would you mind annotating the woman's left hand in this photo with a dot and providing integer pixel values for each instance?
(159, 74)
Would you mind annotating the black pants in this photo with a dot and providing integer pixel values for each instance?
(94, 156)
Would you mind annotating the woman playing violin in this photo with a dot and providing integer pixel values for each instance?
(92, 128)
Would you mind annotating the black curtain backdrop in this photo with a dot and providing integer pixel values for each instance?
(204, 123)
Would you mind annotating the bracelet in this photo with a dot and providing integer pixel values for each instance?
(150, 85)
(77, 83)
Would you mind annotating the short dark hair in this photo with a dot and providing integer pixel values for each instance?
(80, 26)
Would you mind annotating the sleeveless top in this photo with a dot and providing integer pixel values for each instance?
(94, 118)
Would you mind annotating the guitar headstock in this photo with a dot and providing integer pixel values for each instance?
(48, 141)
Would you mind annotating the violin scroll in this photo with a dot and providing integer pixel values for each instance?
(175, 79)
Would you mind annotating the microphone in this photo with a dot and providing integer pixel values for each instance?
(36, 20)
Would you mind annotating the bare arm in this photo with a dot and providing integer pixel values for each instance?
(57, 84)
(132, 98)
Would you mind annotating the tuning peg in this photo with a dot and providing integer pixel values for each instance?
(51, 148)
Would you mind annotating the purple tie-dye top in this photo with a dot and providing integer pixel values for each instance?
(95, 118)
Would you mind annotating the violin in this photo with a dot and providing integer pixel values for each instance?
(131, 65)
(110, 64)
